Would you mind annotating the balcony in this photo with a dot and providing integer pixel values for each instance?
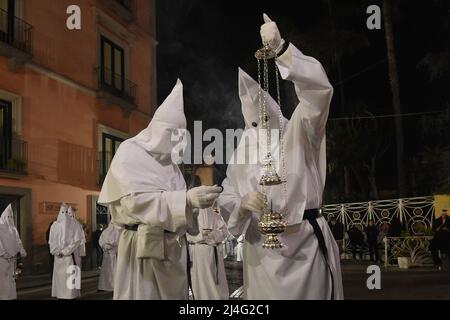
(13, 158)
(116, 89)
(122, 8)
(16, 38)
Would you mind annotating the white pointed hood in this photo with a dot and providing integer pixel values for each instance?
(10, 243)
(71, 212)
(156, 138)
(143, 163)
(66, 231)
(249, 96)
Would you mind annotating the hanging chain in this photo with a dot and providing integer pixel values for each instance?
(261, 105)
(265, 121)
(281, 137)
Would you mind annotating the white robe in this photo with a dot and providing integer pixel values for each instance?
(144, 187)
(109, 242)
(240, 249)
(10, 247)
(209, 280)
(67, 245)
(299, 270)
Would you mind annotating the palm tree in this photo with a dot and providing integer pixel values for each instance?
(395, 88)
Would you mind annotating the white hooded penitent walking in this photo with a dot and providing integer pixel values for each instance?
(67, 242)
(147, 197)
(209, 280)
(10, 247)
(299, 270)
(109, 242)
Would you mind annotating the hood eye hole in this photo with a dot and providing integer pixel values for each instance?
(254, 124)
(266, 119)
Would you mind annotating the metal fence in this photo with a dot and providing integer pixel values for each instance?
(16, 32)
(116, 84)
(415, 214)
(13, 155)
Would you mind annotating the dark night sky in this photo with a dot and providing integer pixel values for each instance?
(203, 42)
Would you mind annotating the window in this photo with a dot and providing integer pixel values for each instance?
(5, 132)
(112, 65)
(7, 20)
(6, 118)
(125, 3)
(100, 214)
(110, 144)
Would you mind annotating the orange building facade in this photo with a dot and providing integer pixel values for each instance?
(67, 100)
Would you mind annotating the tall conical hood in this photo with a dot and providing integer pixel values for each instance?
(156, 138)
(171, 111)
(249, 95)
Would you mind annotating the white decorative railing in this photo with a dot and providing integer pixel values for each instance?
(415, 248)
(416, 214)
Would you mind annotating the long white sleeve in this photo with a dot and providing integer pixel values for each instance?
(71, 248)
(166, 210)
(229, 203)
(313, 90)
(55, 249)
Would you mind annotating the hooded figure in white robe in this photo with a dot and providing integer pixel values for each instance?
(66, 242)
(109, 242)
(299, 270)
(229, 246)
(10, 247)
(240, 249)
(209, 281)
(146, 194)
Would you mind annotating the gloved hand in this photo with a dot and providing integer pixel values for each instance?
(252, 202)
(202, 197)
(271, 35)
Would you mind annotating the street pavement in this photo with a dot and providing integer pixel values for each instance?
(417, 283)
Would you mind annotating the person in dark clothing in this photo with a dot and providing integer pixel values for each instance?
(372, 240)
(441, 239)
(95, 241)
(337, 228)
(396, 228)
(51, 258)
(356, 238)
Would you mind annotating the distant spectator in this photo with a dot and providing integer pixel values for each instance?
(396, 228)
(337, 228)
(372, 240)
(356, 238)
(95, 241)
(441, 240)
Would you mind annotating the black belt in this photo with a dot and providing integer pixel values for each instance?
(134, 227)
(312, 215)
(188, 258)
(216, 260)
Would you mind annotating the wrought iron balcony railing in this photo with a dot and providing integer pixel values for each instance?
(116, 84)
(16, 32)
(13, 156)
(125, 3)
